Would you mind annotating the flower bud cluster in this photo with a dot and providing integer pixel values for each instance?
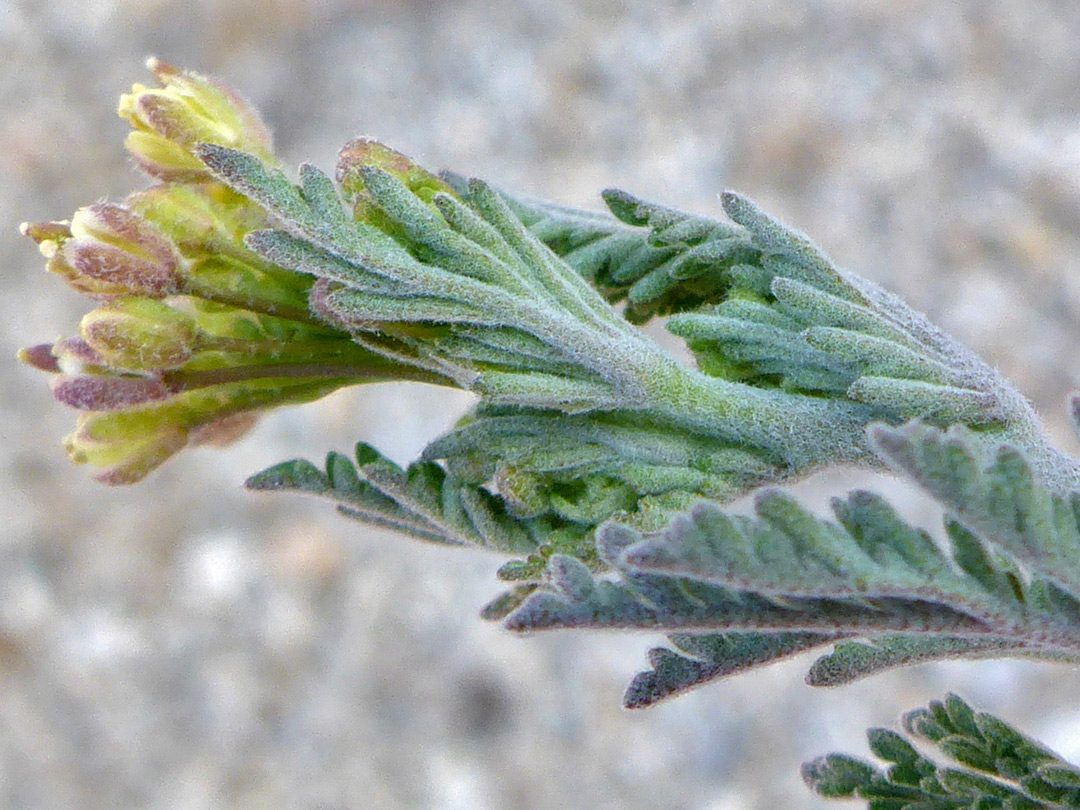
(192, 334)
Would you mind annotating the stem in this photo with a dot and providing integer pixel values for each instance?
(375, 369)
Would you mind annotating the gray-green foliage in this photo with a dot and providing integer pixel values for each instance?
(996, 766)
(657, 259)
(601, 465)
(807, 582)
(760, 304)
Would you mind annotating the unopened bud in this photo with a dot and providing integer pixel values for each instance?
(120, 251)
(40, 357)
(75, 356)
(187, 109)
(361, 152)
(140, 334)
(108, 250)
(45, 232)
(51, 238)
(124, 445)
(200, 219)
(107, 392)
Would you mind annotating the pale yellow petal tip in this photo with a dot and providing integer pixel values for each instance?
(24, 228)
(160, 69)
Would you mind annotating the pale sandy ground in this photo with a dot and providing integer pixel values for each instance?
(183, 644)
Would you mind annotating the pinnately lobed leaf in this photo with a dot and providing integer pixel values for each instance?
(998, 766)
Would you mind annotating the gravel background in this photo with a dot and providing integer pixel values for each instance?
(182, 644)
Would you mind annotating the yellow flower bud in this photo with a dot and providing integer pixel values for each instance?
(140, 334)
(187, 109)
(124, 445)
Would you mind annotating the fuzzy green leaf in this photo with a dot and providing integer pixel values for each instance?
(1002, 499)
(659, 259)
(707, 657)
(870, 554)
(1001, 768)
(789, 573)
(854, 660)
(421, 501)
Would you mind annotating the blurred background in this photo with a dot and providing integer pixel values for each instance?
(183, 644)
